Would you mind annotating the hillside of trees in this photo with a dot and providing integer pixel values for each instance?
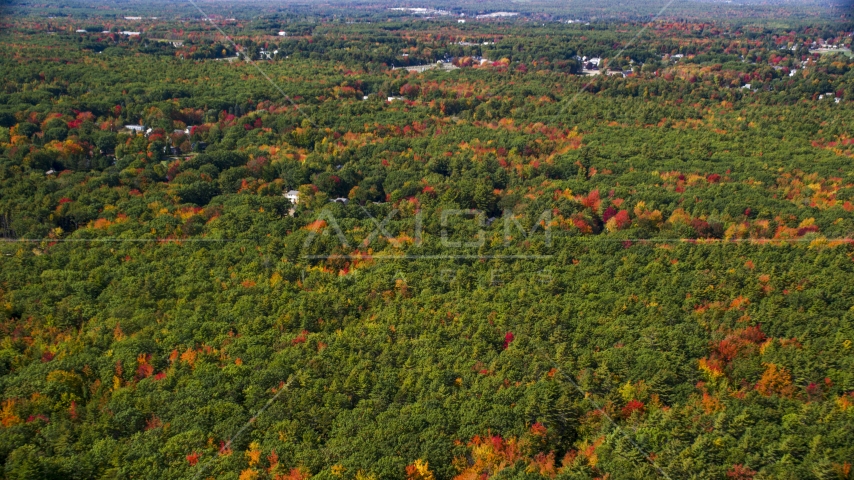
(517, 264)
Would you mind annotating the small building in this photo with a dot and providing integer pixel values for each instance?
(293, 196)
(283, 34)
(135, 128)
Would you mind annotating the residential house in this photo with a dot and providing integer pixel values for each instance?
(293, 196)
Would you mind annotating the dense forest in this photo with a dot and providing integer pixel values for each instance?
(610, 248)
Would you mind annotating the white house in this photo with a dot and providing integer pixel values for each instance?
(136, 128)
(293, 196)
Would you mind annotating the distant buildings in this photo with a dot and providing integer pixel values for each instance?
(830, 95)
(422, 11)
(148, 131)
(474, 44)
(498, 15)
